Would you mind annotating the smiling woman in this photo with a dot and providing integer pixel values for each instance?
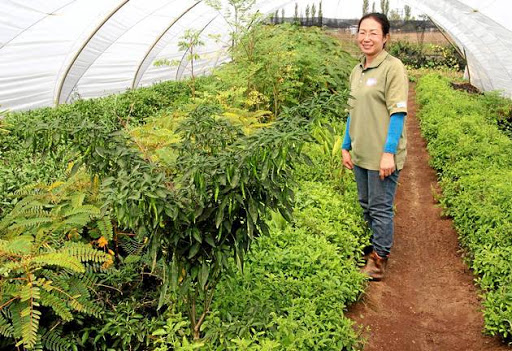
(372, 38)
(375, 136)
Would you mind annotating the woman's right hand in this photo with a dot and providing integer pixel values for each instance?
(347, 159)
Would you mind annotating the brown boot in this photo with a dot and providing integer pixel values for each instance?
(367, 250)
(375, 266)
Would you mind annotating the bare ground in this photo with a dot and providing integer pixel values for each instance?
(427, 300)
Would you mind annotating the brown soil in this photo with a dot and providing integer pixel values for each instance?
(427, 300)
(467, 87)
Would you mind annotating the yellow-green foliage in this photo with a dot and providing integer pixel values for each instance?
(159, 135)
(42, 266)
(36, 276)
(59, 210)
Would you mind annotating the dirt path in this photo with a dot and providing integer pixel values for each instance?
(427, 300)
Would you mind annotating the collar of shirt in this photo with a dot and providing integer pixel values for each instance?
(376, 61)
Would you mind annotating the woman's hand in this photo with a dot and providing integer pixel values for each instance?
(387, 165)
(347, 159)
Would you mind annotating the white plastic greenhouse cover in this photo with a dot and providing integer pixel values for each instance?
(483, 32)
(54, 51)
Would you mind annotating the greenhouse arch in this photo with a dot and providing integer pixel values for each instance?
(55, 51)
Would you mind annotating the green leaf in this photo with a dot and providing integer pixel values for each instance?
(194, 250)
(253, 210)
(203, 275)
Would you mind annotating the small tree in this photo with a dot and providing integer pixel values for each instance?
(313, 14)
(237, 14)
(384, 6)
(282, 15)
(296, 15)
(276, 17)
(320, 14)
(366, 7)
(407, 13)
(374, 8)
(307, 14)
(394, 16)
(189, 43)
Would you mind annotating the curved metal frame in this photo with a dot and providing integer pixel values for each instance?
(65, 75)
(139, 72)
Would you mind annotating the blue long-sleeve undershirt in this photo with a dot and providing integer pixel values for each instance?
(396, 125)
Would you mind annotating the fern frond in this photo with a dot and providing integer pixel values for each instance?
(78, 289)
(30, 324)
(78, 220)
(15, 315)
(59, 259)
(29, 189)
(87, 307)
(57, 304)
(132, 246)
(9, 290)
(58, 279)
(105, 227)
(19, 246)
(84, 252)
(30, 293)
(30, 223)
(89, 279)
(6, 328)
(90, 210)
(77, 199)
(54, 341)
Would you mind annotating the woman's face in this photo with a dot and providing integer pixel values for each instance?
(370, 37)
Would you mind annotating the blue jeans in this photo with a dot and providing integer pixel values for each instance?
(376, 197)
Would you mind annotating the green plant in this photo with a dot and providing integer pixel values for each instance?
(189, 187)
(37, 277)
(427, 56)
(41, 263)
(474, 161)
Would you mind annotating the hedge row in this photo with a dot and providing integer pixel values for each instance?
(474, 161)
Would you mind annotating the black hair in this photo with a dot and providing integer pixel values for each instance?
(379, 17)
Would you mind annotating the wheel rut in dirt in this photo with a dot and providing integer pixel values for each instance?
(427, 301)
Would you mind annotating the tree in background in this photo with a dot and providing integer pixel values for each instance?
(394, 15)
(407, 13)
(188, 43)
(320, 14)
(313, 13)
(384, 7)
(238, 15)
(296, 15)
(276, 16)
(307, 14)
(374, 8)
(366, 7)
(282, 15)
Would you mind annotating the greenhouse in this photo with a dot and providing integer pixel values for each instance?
(186, 175)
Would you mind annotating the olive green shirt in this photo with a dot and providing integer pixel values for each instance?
(376, 92)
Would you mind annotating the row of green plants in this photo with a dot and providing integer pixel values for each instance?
(131, 222)
(474, 160)
(431, 56)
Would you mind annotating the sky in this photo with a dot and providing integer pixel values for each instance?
(344, 8)
(498, 10)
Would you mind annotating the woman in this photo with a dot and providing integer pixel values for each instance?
(375, 135)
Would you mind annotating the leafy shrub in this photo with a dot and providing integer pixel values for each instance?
(474, 160)
(190, 185)
(427, 56)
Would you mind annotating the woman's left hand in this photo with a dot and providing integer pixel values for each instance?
(387, 165)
